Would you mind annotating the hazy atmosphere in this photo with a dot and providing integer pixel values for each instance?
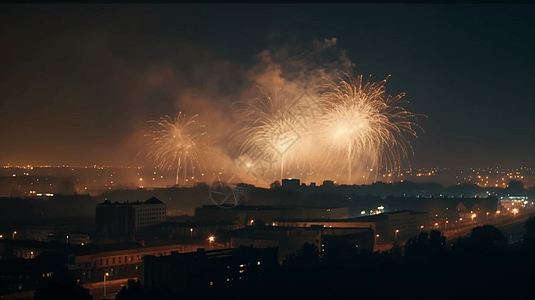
(80, 82)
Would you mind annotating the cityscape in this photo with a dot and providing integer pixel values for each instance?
(267, 151)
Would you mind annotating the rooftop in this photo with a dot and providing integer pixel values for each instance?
(213, 254)
(268, 207)
(278, 232)
(263, 207)
(87, 249)
(191, 224)
(320, 220)
(152, 200)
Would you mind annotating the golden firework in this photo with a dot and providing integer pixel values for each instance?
(177, 144)
(362, 124)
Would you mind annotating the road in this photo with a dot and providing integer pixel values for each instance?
(512, 229)
(508, 226)
(112, 287)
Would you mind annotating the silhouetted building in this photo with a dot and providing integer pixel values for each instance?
(121, 221)
(20, 277)
(290, 239)
(90, 263)
(407, 224)
(253, 215)
(78, 239)
(440, 207)
(291, 183)
(173, 230)
(204, 270)
(328, 183)
(45, 233)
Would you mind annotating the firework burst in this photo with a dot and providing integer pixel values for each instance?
(363, 125)
(177, 144)
(268, 132)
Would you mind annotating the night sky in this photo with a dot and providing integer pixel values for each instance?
(79, 82)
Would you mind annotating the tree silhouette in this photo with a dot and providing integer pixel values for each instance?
(307, 255)
(488, 236)
(426, 247)
(529, 237)
(396, 251)
(61, 285)
(275, 185)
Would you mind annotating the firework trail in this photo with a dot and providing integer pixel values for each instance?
(176, 144)
(362, 124)
(268, 131)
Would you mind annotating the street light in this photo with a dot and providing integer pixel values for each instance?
(421, 228)
(105, 275)
(446, 225)
(14, 232)
(397, 231)
(488, 212)
(210, 240)
(473, 218)
(460, 219)
(191, 232)
(376, 236)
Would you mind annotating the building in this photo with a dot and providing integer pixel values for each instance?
(192, 230)
(90, 263)
(208, 270)
(45, 233)
(78, 239)
(290, 239)
(291, 183)
(121, 221)
(439, 207)
(389, 227)
(510, 203)
(253, 215)
(20, 277)
(328, 183)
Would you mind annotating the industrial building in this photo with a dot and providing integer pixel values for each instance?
(387, 227)
(291, 239)
(252, 215)
(185, 230)
(205, 270)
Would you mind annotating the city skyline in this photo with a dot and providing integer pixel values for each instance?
(81, 82)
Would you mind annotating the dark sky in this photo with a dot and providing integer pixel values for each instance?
(80, 81)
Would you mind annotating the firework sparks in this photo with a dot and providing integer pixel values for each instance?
(270, 133)
(362, 124)
(177, 144)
